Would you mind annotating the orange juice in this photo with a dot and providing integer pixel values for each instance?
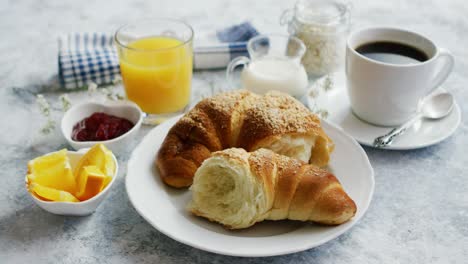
(157, 73)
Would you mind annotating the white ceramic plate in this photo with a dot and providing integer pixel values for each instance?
(422, 134)
(164, 207)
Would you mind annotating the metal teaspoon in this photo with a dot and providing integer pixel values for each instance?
(434, 107)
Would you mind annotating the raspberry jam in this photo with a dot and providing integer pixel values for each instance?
(100, 126)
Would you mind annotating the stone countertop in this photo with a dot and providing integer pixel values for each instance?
(419, 212)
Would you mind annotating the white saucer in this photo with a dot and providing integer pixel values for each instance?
(422, 134)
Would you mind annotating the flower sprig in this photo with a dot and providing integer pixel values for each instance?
(66, 102)
(324, 85)
(108, 91)
(92, 89)
(44, 107)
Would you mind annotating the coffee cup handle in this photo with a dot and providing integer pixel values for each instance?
(449, 61)
(239, 61)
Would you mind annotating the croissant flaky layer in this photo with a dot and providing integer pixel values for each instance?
(238, 189)
(241, 119)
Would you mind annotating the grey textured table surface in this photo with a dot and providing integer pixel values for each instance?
(419, 213)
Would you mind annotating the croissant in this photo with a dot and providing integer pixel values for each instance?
(238, 189)
(241, 119)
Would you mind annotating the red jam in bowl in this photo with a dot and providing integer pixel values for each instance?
(99, 127)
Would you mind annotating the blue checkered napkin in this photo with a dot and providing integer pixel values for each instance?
(86, 57)
(237, 33)
(219, 55)
(92, 57)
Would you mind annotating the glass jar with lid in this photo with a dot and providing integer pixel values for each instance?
(323, 26)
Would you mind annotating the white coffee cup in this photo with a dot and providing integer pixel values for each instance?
(388, 94)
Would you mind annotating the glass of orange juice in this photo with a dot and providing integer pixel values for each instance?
(156, 65)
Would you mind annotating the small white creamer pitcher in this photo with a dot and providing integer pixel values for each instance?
(274, 64)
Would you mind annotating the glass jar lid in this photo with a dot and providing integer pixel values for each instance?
(321, 12)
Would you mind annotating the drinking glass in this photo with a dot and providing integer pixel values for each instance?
(156, 65)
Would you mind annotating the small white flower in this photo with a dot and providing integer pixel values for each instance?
(66, 102)
(48, 127)
(328, 83)
(44, 106)
(92, 87)
(323, 113)
(117, 79)
(313, 93)
(105, 91)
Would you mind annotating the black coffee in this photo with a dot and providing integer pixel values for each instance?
(392, 52)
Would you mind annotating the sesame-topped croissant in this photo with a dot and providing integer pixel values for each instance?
(241, 119)
(238, 189)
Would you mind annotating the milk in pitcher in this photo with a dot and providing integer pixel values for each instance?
(272, 73)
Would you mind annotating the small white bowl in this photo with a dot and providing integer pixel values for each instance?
(79, 208)
(123, 109)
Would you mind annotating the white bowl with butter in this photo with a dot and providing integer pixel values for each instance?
(76, 208)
